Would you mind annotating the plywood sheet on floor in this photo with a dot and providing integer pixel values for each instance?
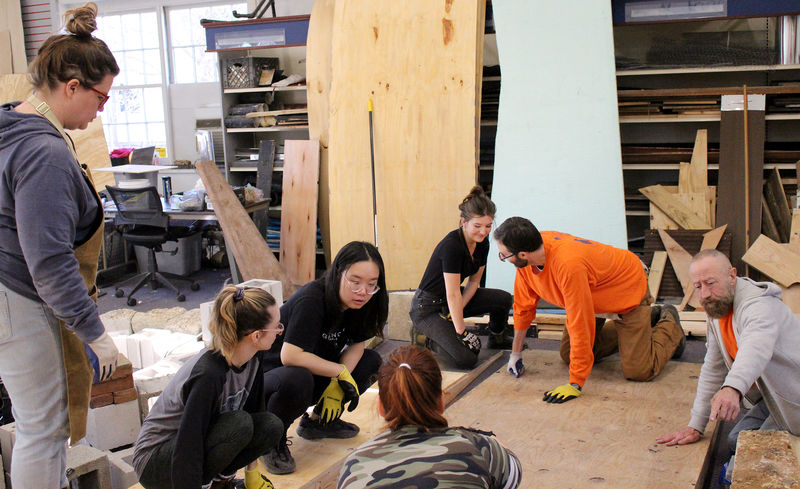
(426, 111)
(604, 439)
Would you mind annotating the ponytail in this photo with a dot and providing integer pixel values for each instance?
(410, 389)
(238, 311)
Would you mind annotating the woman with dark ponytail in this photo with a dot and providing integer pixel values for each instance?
(322, 360)
(52, 341)
(440, 304)
(419, 450)
(211, 420)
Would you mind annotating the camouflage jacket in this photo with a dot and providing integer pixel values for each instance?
(442, 458)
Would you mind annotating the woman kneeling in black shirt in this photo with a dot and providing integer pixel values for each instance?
(322, 357)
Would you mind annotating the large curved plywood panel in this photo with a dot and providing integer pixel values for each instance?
(419, 62)
(557, 152)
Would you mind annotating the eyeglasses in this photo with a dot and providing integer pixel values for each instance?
(104, 96)
(278, 329)
(357, 288)
(506, 257)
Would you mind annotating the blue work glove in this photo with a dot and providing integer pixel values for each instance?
(349, 389)
(515, 366)
(562, 393)
(103, 355)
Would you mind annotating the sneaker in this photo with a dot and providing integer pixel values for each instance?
(668, 310)
(314, 429)
(279, 459)
(499, 341)
(655, 314)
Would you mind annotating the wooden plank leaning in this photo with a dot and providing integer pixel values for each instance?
(252, 254)
(299, 209)
(673, 207)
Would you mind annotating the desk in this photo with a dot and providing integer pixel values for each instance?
(110, 211)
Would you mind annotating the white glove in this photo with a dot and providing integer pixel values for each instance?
(103, 355)
(515, 366)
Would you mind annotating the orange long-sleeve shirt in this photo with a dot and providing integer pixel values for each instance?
(585, 278)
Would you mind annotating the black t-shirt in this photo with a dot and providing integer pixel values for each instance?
(308, 327)
(452, 256)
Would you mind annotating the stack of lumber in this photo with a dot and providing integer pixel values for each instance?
(776, 212)
(116, 390)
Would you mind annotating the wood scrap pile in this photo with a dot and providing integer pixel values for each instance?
(766, 459)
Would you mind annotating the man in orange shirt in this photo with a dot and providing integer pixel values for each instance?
(587, 279)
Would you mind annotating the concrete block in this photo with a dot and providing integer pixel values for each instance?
(113, 426)
(8, 436)
(122, 474)
(399, 321)
(89, 467)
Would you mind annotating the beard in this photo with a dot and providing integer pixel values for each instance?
(719, 307)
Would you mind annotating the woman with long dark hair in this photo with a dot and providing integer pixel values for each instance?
(440, 304)
(419, 449)
(322, 359)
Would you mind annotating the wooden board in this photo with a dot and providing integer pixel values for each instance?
(768, 227)
(794, 232)
(779, 262)
(318, 87)
(656, 272)
(699, 164)
(11, 22)
(703, 205)
(679, 258)
(319, 461)
(299, 209)
(253, 257)
(426, 111)
(731, 208)
(766, 459)
(606, 438)
(6, 65)
(778, 204)
(673, 207)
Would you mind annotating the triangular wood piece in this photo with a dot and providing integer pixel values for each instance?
(656, 272)
(780, 263)
(680, 259)
(685, 178)
(710, 241)
(673, 207)
(252, 255)
(699, 166)
(794, 233)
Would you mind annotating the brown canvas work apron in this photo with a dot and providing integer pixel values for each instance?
(78, 370)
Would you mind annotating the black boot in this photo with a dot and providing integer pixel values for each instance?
(671, 312)
(499, 341)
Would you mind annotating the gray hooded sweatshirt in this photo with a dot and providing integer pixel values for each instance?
(768, 339)
(47, 209)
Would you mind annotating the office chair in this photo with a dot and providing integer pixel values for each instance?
(141, 221)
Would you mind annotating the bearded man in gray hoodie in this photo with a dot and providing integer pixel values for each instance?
(752, 358)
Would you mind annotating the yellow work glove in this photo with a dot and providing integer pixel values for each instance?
(349, 388)
(253, 479)
(562, 393)
(330, 403)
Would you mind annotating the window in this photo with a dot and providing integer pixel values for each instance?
(134, 114)
(190, 62)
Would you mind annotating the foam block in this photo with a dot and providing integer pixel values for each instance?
(113, 426)
(399, 320)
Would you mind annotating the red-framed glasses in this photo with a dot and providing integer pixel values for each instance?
(104, 96)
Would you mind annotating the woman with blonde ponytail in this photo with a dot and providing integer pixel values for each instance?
(440, 303)
(211, 419)
(419, 449)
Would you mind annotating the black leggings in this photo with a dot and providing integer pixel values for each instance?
(234, 439)
(290, 390)
(425, 316)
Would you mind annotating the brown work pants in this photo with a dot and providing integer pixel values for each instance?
(643, 350)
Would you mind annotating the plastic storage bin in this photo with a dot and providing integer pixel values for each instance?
(185, 262)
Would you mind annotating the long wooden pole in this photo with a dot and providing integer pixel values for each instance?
(746, 180)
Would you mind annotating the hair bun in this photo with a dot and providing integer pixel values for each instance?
(82, 20)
